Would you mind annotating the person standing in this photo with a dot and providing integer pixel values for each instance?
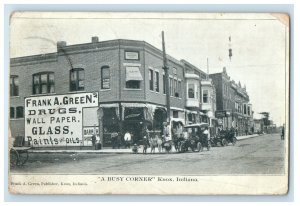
(127, 138)
(282, 133)
(94, 141)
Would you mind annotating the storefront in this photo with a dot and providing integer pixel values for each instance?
(139, 119)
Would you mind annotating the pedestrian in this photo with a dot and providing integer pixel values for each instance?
(94, 141)
(159, 144)
(282, 133)
(145, 145)
(127, 138)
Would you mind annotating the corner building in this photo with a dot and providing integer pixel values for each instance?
(127, 74)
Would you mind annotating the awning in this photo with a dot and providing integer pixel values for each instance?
(109, 105)
(133, 73)
(134, 105)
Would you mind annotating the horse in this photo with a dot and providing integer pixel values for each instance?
(155, 142)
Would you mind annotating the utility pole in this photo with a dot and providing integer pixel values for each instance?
(166, 69)
(207, 65)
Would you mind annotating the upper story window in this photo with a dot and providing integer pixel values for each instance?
(43, 83)
(151, 79)
(105, 77)
(191, 90)
(205, 96)
(175, 88)
(157, 81)
(14, 85)
(19, 112)
(179, 89)
(171, 86)
(77, 79)
(133, 78)
(12, 112)
(164, 83)
(174, 71)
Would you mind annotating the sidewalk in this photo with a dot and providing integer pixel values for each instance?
(246, 136)
(106, 151)
(113, 151)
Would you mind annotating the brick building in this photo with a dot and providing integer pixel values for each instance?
(128, 76)
(233, 107)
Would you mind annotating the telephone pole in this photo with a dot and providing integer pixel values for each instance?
(166, 69)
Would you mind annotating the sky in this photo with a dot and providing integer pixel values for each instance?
(258, 43)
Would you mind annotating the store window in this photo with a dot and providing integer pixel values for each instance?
(43, 83)
(19, 112)
(77, 79)
(205, 96)
(133, 78)
(14, 85)
(151, 79)
(157, 81)
(12, 112)
(105, 77)
(191, 91)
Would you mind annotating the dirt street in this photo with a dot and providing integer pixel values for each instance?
(258, 155)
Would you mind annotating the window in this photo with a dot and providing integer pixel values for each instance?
(77, 79)
(156, 81)
(175, 114)
(43, 83)
(133, 84)
(105, 77)
(12, 112)
(191, 91)
(249, 110)
(171, 86)
(164, 84)
(179, 89)
(245, 109)
(14, 86)
(205, 96)
(20, 112)
(175, 88)
(174, 71)
(133, 78)
(151, 79)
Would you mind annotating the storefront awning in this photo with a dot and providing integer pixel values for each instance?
(134, 105)
(133, 73)
(109, 105)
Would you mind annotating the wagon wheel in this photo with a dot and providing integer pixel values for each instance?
(224, 142)
(198, 147)
(14, 157)
(181, 149)
(23, 157)
(234, 141)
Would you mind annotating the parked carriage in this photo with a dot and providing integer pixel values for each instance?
(19, 152)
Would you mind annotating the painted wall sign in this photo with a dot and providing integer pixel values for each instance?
(57, 120)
